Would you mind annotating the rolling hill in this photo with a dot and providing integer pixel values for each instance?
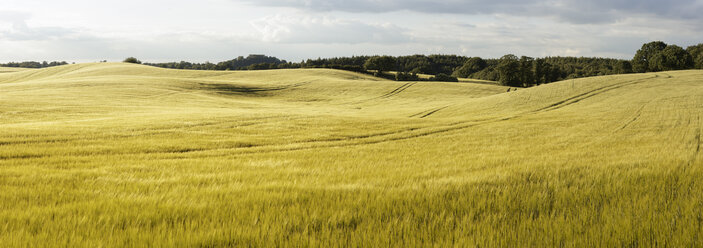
(113, 154)
(12, 69)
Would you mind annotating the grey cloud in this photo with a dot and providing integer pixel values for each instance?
(573, 11)
(464, 25)
(13, 16)
(20, 31)
(375, 6)
(304, 29)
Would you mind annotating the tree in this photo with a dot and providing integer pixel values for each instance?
(673, 57)
(380, 64)
(406, 76)
(527, 77)
(444, 78)
(251, 61)
(696, 53)
(471, 66)
(509, 70)
(554, 74)
(542, 71)
(132, 60)
(622, 67)
(641, 61)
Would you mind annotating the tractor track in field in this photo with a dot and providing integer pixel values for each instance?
(591, 93)
(698, 137)
(398, 135)
(398, 90)
(392, 93)
(27, 142)
(348, 142)
(21, 79)
(66, 72)
(141, 133)
(638, 114)
(428, 112)
(364, 140)
(164, 95)
(403, 134)
(29, 75)
(697, 144)
(471, 123)
(698, 141)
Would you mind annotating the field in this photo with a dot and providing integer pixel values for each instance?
(122, 155)
(11, 69)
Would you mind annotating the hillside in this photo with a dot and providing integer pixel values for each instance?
(113, 154)
(12, 69)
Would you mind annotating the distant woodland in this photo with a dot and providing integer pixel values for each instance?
(33, 64)
(509, 70)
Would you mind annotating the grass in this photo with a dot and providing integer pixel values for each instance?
(115, 155)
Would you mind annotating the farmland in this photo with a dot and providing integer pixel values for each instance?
(114, 155)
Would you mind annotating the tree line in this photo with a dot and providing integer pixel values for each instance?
(34, 64)
(526, 71)
(509, 70)
(251, 62)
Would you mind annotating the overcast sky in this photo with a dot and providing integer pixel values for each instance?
(217, 30)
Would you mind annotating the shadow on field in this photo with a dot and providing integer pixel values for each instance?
(230, 89)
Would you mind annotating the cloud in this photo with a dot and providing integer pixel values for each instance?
(573, 11)
(300, 29)
(12, 16)
(309, 29)
(20, 31)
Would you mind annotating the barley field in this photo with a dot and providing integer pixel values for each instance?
(123, 155)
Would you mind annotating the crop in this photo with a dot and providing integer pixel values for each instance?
(115, 155)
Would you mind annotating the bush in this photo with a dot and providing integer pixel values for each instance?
(405, 76)
(132, 60)
(444, 78)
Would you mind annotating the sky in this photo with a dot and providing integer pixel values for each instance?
(218, 30)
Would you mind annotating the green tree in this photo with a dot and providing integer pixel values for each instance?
(696, 53)
(406, 76)
(554, 74)
(471, 66)
(622, 67)
(380, 63)
(509, 70)
(132, 60)
(673, 57)
(544, 72)
(527, 77)
(641, 61)
(444, 78)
